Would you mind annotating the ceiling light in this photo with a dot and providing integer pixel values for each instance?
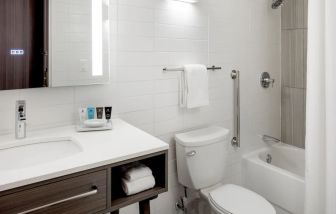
(188, 1)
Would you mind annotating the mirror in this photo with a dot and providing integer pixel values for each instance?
(78, 42)
(53, 43)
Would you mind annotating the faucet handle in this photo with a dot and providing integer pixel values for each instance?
(20, 122)
(266, 80)
(21, 110)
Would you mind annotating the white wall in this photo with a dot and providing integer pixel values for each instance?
(151, 34)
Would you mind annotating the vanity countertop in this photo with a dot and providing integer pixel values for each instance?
(98, 149)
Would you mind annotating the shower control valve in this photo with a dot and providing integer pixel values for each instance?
(266, 80)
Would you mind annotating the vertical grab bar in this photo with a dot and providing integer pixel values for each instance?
(236, 88)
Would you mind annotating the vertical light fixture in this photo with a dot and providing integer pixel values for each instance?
(97, 37)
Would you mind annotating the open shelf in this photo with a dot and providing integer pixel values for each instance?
(159, 166)
(127, 200)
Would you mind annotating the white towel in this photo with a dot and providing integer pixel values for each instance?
(135, 171)
(139, 185)
(194, 86)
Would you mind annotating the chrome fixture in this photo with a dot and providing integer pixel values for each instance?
(277, 3)
(270, 139)
(266, 80)
(213, 68)
(181, 204)
(191, 153)
(20, 121)
(269, 158)
(236, 138)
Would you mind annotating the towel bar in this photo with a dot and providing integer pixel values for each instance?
(213, 68)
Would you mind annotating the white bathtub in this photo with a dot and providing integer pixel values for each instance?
(281, 181)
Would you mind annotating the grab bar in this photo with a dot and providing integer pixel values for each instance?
(235, 75)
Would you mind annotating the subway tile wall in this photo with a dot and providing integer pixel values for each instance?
(294, 71)
(148, 35)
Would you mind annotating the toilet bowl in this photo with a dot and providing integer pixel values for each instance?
(230, 198)
(200, 157)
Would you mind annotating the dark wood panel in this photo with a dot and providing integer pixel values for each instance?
(144, 207)
(157, 162)
(128, 200)
(39, 196)
(22, 26)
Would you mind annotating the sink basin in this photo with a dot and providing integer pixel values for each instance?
(38, 151)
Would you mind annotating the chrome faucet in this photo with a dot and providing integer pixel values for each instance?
(20, 120)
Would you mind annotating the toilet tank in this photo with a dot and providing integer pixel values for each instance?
(201, 156)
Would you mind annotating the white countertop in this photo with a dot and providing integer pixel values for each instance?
(98, 149)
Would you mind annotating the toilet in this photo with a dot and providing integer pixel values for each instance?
(201, 158)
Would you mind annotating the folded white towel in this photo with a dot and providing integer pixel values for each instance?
(194, 86)
(139, 185)
(135, 171)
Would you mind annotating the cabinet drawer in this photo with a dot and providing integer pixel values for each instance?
(84, 194)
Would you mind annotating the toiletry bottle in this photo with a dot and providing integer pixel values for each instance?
(91, 113)
(100, 112)
(82, 115)
(108, 113)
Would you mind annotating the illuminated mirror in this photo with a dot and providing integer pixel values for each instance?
(78, 42)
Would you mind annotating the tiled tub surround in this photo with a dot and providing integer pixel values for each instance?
(151, 34)
(294, 71)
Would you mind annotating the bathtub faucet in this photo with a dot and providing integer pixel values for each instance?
(270, 139)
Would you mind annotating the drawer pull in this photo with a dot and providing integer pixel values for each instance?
(83, 195)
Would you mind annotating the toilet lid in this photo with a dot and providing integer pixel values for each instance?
(234, 199)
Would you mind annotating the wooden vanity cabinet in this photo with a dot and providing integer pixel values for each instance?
(93, 191)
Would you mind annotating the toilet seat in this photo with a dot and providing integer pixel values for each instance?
(233, 199)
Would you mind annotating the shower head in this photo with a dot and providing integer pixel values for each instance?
(277, 3)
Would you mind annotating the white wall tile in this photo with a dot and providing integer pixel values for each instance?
(181, 32)
(181, 45)
(132, 43)
(128, 28)
(135, 103)
(166, 99)
(136, 14)
(138, 88)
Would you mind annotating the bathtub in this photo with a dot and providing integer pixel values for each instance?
(282, 180)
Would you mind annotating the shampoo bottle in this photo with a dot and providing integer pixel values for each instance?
(91, 113)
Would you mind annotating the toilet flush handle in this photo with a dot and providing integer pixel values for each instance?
(191, 154)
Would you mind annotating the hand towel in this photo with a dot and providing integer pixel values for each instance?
(195, 86)
(183, 91)
(135, 171)
(139, 185)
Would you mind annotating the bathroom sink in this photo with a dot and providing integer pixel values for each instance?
(29, 153)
